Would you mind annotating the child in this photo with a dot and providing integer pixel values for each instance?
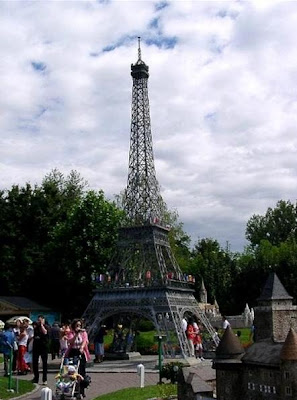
(67, 380)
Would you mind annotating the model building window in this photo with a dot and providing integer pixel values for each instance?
(288, 390)
(265, 375)
(287, 375)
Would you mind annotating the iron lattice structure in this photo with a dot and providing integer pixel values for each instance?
(144, 279)
(142, 200)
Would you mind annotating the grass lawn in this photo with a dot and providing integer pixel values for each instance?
(141, 393)
(245, 335)
(24, 387)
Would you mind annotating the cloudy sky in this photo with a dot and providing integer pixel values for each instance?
(223, 98)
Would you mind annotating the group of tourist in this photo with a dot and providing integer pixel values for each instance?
(29, 342)
(193, 332)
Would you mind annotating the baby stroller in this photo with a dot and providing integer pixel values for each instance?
(68, 379)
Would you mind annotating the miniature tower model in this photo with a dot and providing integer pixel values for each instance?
(203, 293)
(144, 279)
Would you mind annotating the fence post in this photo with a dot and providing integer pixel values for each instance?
(46, 393)
(140, 371)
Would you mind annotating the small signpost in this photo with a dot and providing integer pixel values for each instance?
(160, 339)
(10, 368)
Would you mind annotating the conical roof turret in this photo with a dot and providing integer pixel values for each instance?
(274, 289)
(289, 349)
(203, 293)
(230, 346)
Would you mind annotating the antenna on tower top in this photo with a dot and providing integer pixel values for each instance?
(139, 49)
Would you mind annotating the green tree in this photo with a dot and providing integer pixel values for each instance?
(179, 240)
(82, 246)
(52, 237)
(276, 226)
(217, 267)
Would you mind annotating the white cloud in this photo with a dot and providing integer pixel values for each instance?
(222, 95)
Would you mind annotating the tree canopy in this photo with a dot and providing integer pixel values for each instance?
(52, 238)
(277, 225)
(55, 236)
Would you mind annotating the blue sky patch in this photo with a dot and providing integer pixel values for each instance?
(223, 13)
(154, 23)
(122, 41)
(162, 42)
(211, 117)
(160, 5)
(41, 111)
(215, 46)
(110, 47)
(38, 66)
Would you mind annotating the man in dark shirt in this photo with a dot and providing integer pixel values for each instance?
(40, 348)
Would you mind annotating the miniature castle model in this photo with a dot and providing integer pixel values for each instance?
(268, 369)
(212, 311)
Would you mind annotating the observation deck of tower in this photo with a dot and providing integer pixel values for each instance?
(144, 279)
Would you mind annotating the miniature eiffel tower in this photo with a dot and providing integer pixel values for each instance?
(144, 279)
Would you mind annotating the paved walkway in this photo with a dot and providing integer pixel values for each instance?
(107, 377)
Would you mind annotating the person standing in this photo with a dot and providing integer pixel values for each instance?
(226, 323)
(40, 348)
(28, 354)
(191, 337)
(198, 340)
(22, 367)
(78, 347)
(7, 340)
(64, 331)
(55, 340)
(99, 344)
(16, 331)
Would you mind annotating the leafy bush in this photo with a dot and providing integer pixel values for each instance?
(145, 325)
(146, 343)
(170, 371)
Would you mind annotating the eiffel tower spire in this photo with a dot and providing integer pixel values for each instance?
(142, 200)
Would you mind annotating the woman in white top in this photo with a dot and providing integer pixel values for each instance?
(22, 367)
